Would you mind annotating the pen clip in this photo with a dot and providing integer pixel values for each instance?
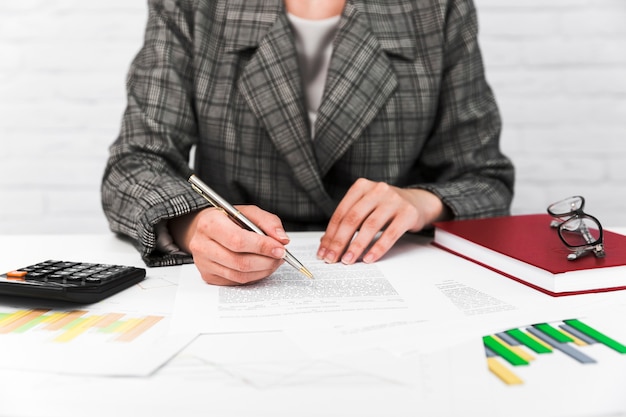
(206, 197)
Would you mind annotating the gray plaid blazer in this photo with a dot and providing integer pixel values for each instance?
(406, 102)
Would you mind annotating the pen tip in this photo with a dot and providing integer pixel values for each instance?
(306, 272)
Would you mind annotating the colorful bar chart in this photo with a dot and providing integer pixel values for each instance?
(519, 347)
(66, 326)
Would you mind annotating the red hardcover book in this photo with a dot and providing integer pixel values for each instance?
(525, 248)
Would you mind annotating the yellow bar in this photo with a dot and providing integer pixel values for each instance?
(64, 319)
(131, 334)
(502, 372)
(127, 325)
(72, 333)
(54, 316)
(21, 320)
(13, 316)
(518, 350)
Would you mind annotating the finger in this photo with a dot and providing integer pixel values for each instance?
(336, 244)
(268, 222)
(353, 211)
(354, 194)
(390, 235)
(218, 227)
(370, 228)
(216, 274)
(224, 251)
(220, 266)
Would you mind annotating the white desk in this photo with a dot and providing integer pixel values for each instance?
(204, 380)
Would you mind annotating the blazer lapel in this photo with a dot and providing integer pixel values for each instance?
(361, 77)
(359, 83)
(272, 87)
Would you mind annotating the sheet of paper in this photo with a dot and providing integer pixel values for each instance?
(240, 379)
(338, 294)
(250, 373)
(449, 300)
(127, 334)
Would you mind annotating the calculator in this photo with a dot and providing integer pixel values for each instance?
(78, 282)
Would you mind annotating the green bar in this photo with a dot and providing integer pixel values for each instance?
(510, 356)
(556, 334)
(112, 327)
(528, 341)
(594, 334)
(74, 323)
(27, 326)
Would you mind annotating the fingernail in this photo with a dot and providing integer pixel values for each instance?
(329, 257)
(347, 258)
(369, 258)
(282, 234)
(278, 252)
(320, 253)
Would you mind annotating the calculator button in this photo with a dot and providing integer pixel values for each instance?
(35, 276)
(56, 277)
(17, 274)
(74, 278)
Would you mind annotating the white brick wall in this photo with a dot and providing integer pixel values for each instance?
(558, 69)
(63, 66)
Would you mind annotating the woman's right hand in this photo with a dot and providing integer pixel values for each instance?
(225, 253)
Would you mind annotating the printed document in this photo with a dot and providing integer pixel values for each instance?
(338, 294)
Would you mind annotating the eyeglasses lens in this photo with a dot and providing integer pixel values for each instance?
(566, 206)
(580, 231)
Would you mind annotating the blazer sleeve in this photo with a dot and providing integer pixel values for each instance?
(144, 181)
(462, 157)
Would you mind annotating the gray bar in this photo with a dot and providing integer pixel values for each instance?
(490, 353)
(509, 339)
(578, 334)
(563, 347)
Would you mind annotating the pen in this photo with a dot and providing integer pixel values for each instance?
(217, 201)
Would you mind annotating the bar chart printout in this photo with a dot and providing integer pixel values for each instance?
(509, 351)
(67, 326)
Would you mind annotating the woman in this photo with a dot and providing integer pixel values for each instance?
(349, 116)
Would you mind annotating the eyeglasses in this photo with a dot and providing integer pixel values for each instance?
(579, 231)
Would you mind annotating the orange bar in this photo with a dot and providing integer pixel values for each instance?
(64, 319)
(135, 331)
(30, 315)
(109, 319)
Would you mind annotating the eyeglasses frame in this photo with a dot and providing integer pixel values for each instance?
(593, 245)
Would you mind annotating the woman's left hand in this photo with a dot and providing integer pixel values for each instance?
(371, 207)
